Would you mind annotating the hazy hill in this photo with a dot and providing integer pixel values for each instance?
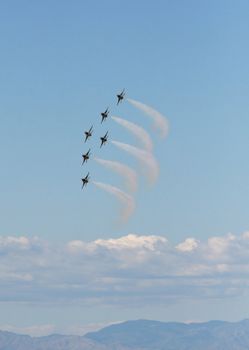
(215, 335)
(12, 341)
(141, 335)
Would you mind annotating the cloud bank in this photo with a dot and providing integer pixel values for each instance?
(125, 270)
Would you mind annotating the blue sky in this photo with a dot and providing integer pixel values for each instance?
(62, 64)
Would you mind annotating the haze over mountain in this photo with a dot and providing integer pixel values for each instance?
(141, 335)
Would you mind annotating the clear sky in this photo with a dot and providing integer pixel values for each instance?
(61, 64)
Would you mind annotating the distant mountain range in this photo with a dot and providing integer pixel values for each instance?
(141, 335)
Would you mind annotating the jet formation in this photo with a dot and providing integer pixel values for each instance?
(103, 139)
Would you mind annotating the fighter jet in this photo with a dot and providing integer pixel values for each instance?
(86, 156)
(85, 180)
(104, 139)
(121, 96)
(104, 115)
(88, 133)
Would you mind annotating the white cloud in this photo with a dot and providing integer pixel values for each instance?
(15, 242)
(188, 245)
(245, 235)
(120, 247)
(131, 241)
(218, 246)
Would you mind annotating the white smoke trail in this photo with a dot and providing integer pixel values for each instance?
(127, 172)
(146, 158)
(136, 130)
(127, 200)
(160, 121)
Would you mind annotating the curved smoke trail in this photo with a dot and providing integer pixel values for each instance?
(146, 158)
(136, 130)
(160, 121)
(127, 172)
(124, 198)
